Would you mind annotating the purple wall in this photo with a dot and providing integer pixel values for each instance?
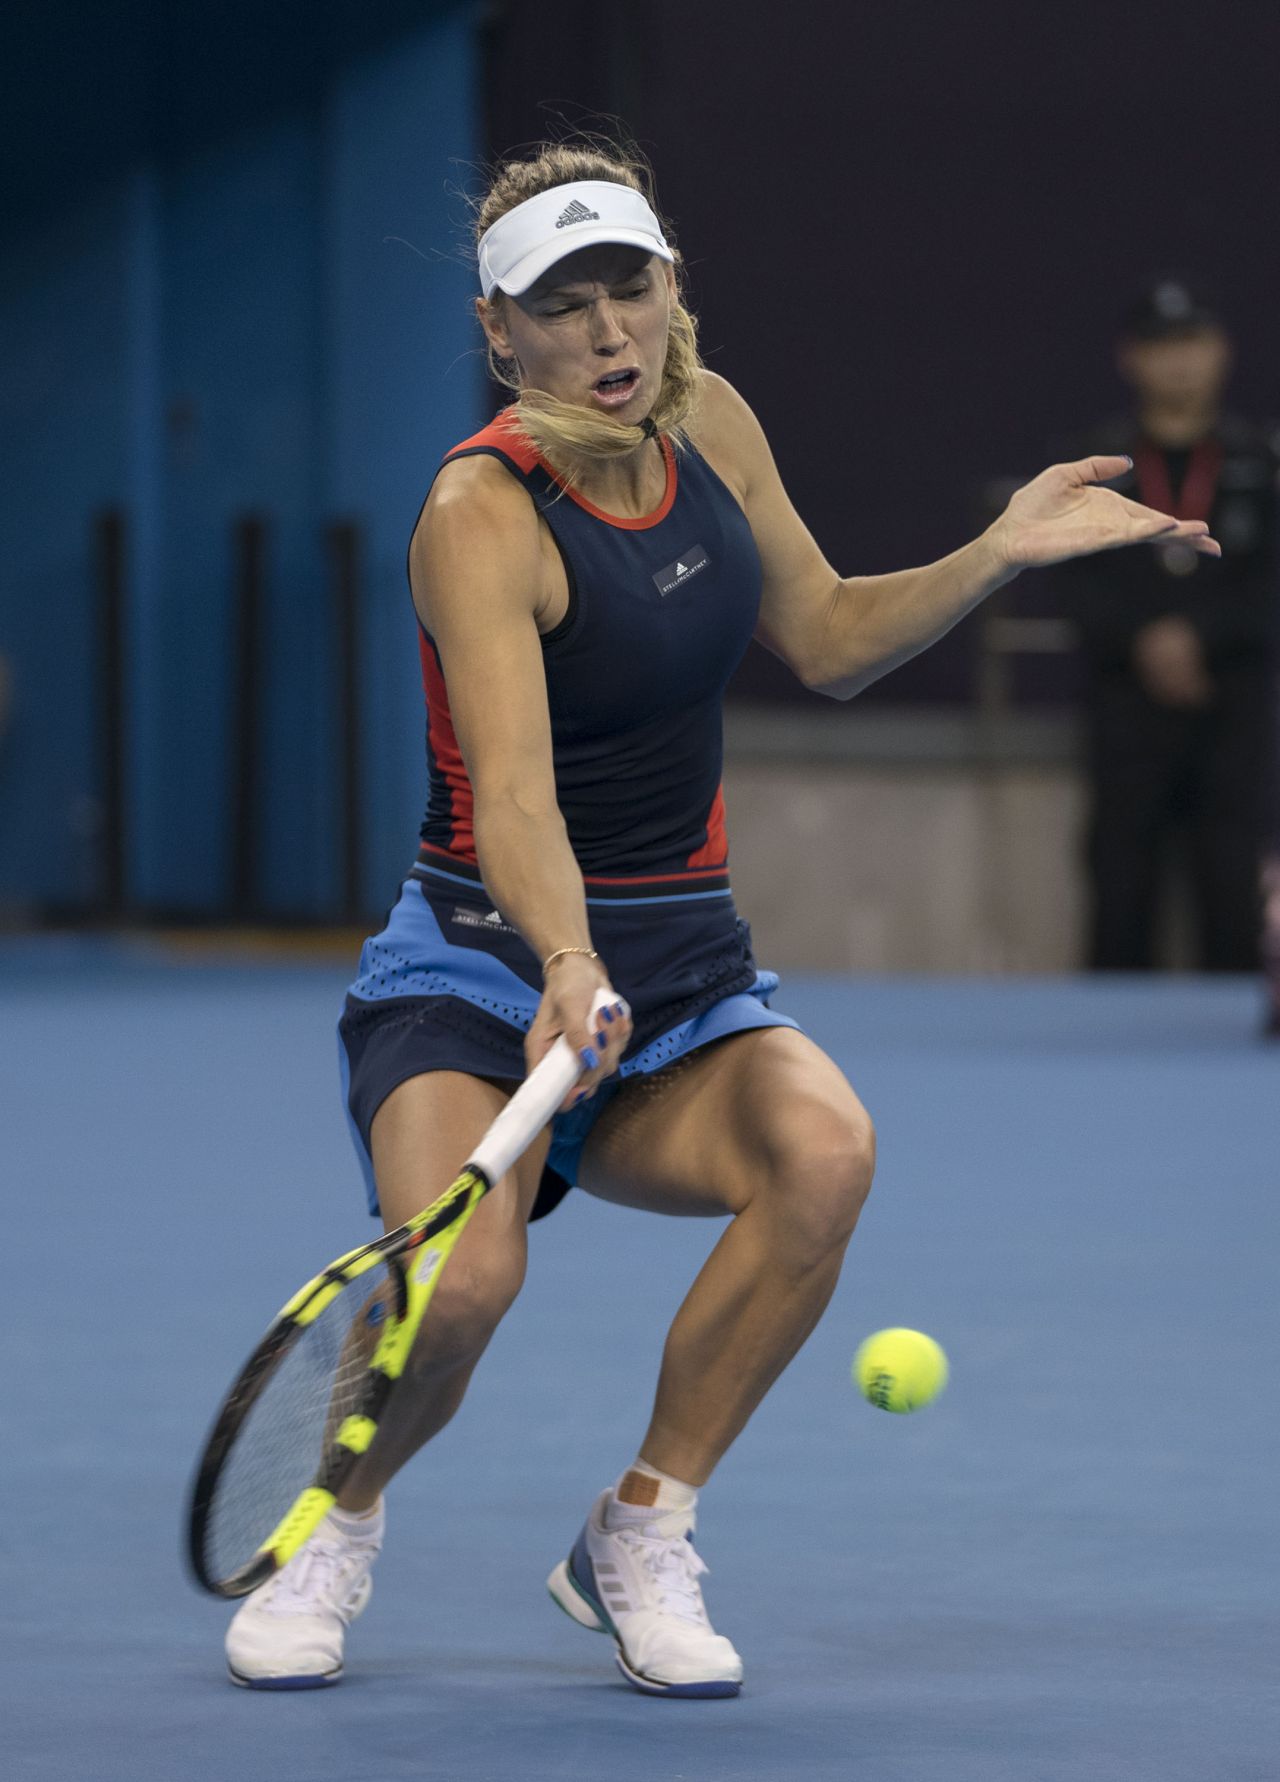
(955, 201)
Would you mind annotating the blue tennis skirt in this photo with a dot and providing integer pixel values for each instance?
(450, 985)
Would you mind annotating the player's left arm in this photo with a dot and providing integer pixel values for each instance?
(839, 633)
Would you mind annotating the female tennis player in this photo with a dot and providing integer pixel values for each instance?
(587, 572)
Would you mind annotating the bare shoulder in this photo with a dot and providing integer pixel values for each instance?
(727, 433)
(720, 402)
(477, 539)
(475, 493)
(476, 508)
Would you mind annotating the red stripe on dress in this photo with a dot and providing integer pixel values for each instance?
(645, 521)
(715, 850)
(677, 874)
(447, 755)
(503, 434)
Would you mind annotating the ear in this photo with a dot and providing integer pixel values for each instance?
(491, 314)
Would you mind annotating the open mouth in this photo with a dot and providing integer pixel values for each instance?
(616, 387)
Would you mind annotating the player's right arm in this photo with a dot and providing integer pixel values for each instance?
(480, 585)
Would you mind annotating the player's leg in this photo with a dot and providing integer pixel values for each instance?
(1227, 828)
(291, 1633)
(763, 1127)
(420, 1138)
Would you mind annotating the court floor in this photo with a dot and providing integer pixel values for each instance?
(1065, 1569)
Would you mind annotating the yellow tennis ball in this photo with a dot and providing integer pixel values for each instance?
(900, 1370)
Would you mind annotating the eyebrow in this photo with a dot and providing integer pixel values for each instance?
(563, 290)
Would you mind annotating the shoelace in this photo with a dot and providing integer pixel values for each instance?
(322, 1576)
(675, 1567)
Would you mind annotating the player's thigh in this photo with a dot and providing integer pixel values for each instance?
(759, 1116)
(421, 1137)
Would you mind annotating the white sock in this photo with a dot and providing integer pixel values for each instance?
(658, 1494)
(360, 1525)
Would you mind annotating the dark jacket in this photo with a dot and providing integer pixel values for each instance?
(1233, 602)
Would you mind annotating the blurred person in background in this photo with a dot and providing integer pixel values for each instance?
(1178, 650)
(1271, 939)
(1271, 880)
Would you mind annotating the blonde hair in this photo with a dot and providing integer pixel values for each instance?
(562, 432)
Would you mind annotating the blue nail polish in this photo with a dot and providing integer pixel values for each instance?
(588, 1058)
(580, 1096)
(608, 1016)
(602, 1040)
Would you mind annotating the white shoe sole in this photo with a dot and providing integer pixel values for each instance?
(309, 1680)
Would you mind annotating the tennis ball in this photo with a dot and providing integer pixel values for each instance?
(900, 1370)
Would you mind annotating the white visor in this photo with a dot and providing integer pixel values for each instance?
(521, 245)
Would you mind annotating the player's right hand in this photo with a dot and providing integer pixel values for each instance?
(600, 1040)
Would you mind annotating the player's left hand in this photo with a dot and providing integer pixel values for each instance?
(1065, 513)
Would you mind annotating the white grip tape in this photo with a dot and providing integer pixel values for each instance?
(534, 1102)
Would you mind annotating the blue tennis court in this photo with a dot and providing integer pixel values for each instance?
(1064, 1569)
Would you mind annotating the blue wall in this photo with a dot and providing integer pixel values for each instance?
(405, 383)
(65, 426)
(226, 330)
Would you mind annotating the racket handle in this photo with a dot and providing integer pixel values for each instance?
(534, 1102)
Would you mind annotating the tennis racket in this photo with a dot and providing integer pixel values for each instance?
(307, 1403)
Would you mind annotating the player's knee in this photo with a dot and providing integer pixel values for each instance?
(825, 1181)
(473, 1297)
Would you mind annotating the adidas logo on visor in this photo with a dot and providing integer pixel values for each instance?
(577, 212)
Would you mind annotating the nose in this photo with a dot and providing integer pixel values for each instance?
(606, 334)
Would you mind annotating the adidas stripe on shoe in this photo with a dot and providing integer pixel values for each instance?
(641, 1586)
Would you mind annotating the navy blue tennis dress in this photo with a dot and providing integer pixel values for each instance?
(660, 611)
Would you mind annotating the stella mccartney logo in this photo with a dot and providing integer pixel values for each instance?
(676, 574)
(492, 923)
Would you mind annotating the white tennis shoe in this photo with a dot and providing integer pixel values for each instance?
(641, 1584)
(289, 1632)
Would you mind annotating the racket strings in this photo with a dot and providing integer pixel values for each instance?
(320, 1380)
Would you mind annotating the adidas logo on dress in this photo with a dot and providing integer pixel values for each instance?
(689, 563)
(493, 922)
(577, 212)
